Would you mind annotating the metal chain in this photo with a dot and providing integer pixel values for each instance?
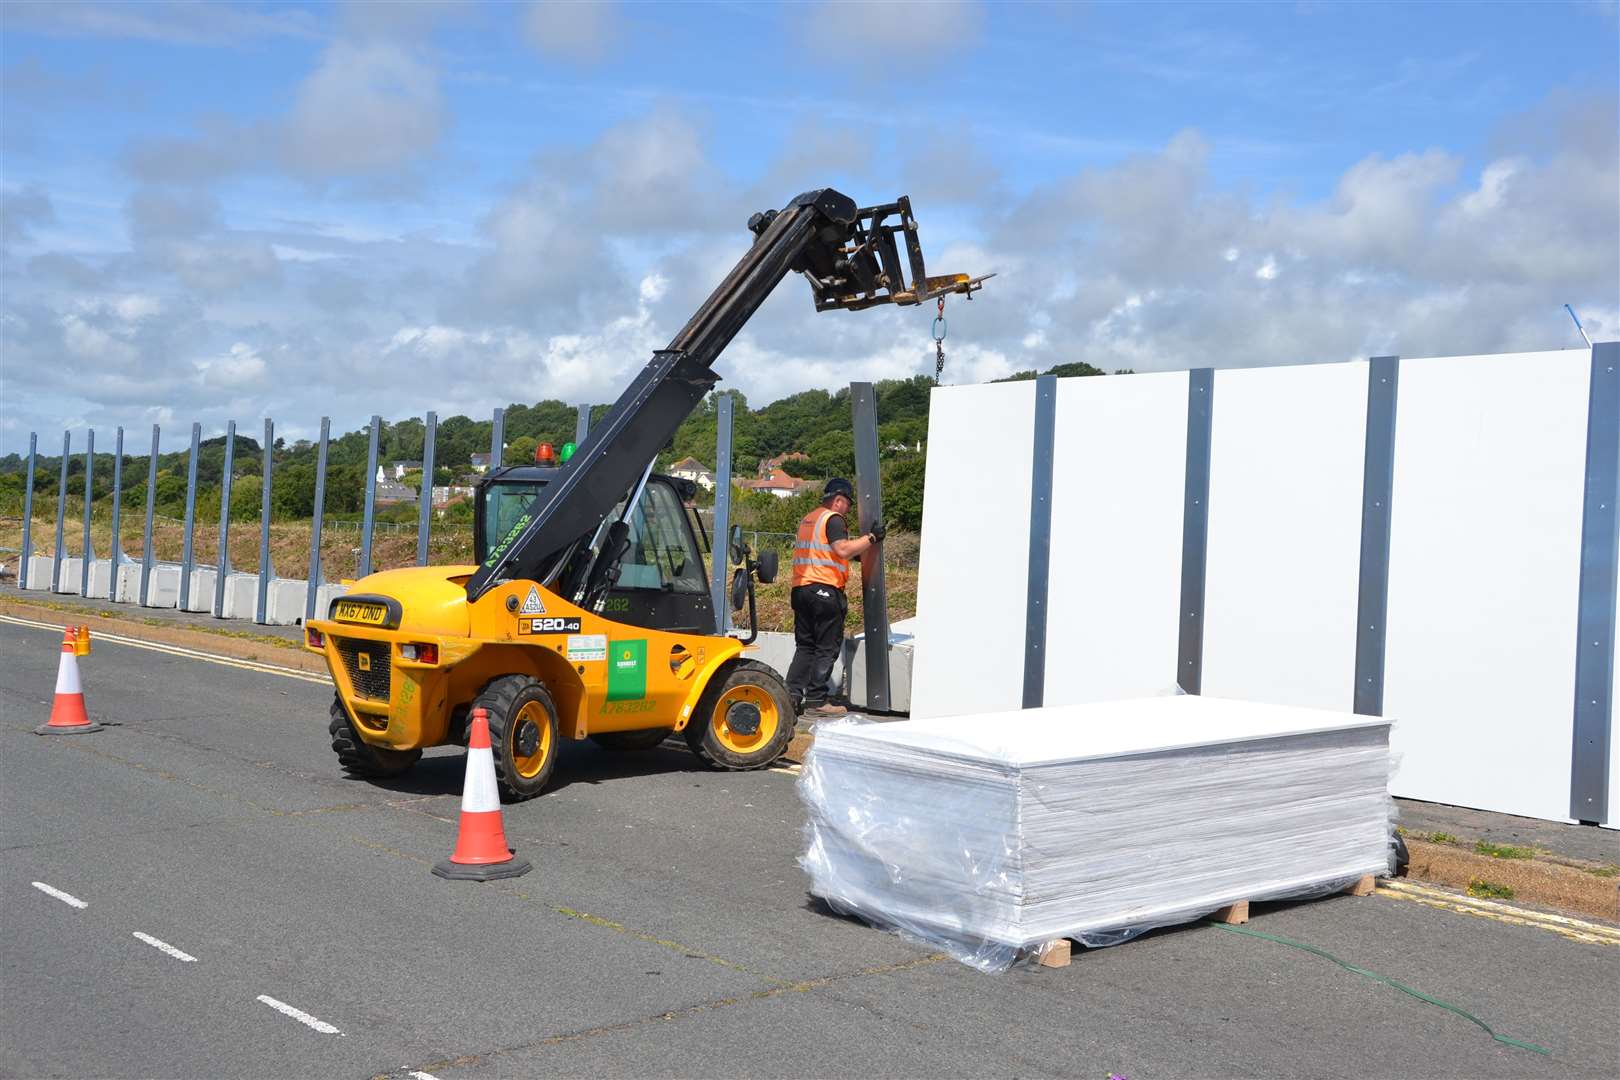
(939, 342)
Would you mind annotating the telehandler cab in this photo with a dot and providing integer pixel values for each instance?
(588, 612)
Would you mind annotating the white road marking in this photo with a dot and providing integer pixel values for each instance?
(66, 898)
(189, 654)
(419, 1075)
(164, 946)
(299, 1015)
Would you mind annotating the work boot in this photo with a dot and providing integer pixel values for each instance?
(824, 711)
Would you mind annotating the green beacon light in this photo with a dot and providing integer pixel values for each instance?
(568, 449)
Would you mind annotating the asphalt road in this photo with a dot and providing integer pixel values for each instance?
(665, 930)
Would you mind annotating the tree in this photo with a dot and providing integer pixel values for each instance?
(903, 491)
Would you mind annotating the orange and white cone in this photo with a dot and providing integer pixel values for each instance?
(67, 711)
(481, 853)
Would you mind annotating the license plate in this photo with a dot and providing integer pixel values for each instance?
(370, 614)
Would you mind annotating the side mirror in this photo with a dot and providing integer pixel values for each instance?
(765, 564)
(739, 589)
(738, 552)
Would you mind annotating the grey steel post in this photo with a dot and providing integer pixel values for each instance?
(582, 427)
(261, 613)
(1377, 488)
(497, 439)
(1600, 567)
(28, 513)
(117, 553)
(869, 511)
(151, 504)
(1195, 529)
(721, 544)
(320, 512)
(187, 551)
(224, 565)
(1040, 543)
(424, 497)
(87, 552)
(369, 517)
(61, 509)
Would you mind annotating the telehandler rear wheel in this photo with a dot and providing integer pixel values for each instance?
(632, 740)
(522, 732)
(744, 720)
(358, 757)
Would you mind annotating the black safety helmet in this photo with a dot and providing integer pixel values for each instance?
(838, 486)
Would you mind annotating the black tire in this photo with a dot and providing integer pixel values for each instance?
(708, 734)
(632, 740)
(1402, 859)
(522, 770)
(359, 758)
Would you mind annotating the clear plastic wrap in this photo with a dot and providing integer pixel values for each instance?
(989, 836)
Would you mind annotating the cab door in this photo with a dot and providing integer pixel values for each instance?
(662, 582)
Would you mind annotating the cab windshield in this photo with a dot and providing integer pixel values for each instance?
(503, 506)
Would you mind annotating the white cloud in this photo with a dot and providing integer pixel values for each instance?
(912, 33)
(580, 31)
(175, 22)
(241, 366)
(370, 106)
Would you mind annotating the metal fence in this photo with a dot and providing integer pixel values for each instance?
(365, 529)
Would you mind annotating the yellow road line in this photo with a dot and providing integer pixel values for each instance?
(189, 654)
(1574, 929)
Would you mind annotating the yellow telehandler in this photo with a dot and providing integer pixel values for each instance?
(588, 614)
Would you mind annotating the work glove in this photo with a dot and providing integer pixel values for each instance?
(878, 532)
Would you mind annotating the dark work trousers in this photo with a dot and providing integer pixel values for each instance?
(818, 636)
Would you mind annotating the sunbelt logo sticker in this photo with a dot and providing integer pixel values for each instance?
(533, 605)
(627, 670)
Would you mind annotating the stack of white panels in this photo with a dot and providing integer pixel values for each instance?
(987, 834)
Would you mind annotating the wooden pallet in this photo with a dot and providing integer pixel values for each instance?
(1058, 952)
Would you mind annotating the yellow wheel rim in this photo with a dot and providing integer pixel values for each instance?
(743, 741)
(533, 714)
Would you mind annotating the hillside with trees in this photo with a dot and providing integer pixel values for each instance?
(814, 422)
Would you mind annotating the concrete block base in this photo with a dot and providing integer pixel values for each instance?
(241, 596)
(284, 603)
(39, 574)
(324, 597)
(127, 584)
(900, 653)
(68, 583)
(101, 574)
(201, 596)
(163, 587)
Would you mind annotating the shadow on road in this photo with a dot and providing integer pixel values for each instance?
(444, 771)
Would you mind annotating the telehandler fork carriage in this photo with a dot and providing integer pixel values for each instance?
(588, 614)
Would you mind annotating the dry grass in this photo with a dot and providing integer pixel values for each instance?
(1572, 888)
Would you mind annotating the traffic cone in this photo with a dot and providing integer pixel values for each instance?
(481, 853)
(67, 711)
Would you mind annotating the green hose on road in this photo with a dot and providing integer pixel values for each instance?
(1386, 980)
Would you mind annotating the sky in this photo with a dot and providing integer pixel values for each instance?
(231, 211)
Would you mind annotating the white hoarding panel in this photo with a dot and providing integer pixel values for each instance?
(1120, 452)
(1613, 821)
(1286, 462)
(971, 584)
(1483, 579)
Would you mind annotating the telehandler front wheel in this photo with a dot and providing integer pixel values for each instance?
(744, 720)
(522, 732)
(358, 757)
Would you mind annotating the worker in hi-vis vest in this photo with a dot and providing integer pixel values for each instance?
(821, 557)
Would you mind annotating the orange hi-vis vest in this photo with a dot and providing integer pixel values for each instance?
(814, 560)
